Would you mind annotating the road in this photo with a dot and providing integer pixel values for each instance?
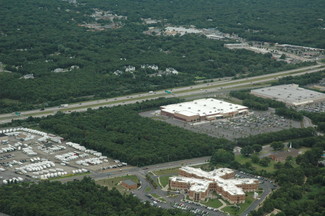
(202, 88)
(267, 186)
(140, 172)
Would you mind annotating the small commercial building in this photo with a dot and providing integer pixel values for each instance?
(203, 110)
(291, 94)
(129, 184)
(199, 184)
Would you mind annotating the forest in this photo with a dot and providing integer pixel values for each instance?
(82, 198)
(121, 133)
(301, 181)
(301, 80)
(283, 135)
(37, 37)
(296, 22)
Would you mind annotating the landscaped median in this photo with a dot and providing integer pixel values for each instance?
(157, 197)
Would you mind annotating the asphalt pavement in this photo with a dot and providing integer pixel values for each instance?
(202, 88)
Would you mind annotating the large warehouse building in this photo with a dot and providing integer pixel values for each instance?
(199, 184)
(291, 94)
(203, 109)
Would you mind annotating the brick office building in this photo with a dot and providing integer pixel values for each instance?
(198, 184)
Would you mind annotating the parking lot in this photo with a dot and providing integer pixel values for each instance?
(27, 154)
(315, 107)
(231, 128)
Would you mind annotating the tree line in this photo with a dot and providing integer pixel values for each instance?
(301, 182)
(121, 133)
(73, 198)
(255, 20)
(31, 46)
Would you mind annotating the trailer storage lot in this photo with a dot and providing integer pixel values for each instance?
(27, 154)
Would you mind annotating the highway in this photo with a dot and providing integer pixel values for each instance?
(202, 88)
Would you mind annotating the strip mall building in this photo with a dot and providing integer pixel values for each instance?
(200, 184)
(206, 109)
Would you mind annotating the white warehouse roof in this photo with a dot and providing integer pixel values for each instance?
(203, 107)
(290, 94)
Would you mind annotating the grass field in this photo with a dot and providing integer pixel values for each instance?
(214, 203)
(114, 182)
(164, 180)
(164, 175)
(233, 210)
(172, 171)
(147, 190)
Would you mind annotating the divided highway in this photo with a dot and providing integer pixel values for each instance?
(176, 92)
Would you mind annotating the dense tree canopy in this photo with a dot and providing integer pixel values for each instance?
(73, 198)
(37, 37)
(283, 135)
(302, 188)
(121, 133)
(293, 21)
(222, 156)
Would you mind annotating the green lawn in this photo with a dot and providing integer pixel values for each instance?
(164, 180)
(232, 210)
(114, 182)
(214, 203)
(172, 171)
(147, 190)
(158, 197)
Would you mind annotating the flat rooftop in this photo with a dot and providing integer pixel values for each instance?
(203, 107)
(290, 94)
(200, 185)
